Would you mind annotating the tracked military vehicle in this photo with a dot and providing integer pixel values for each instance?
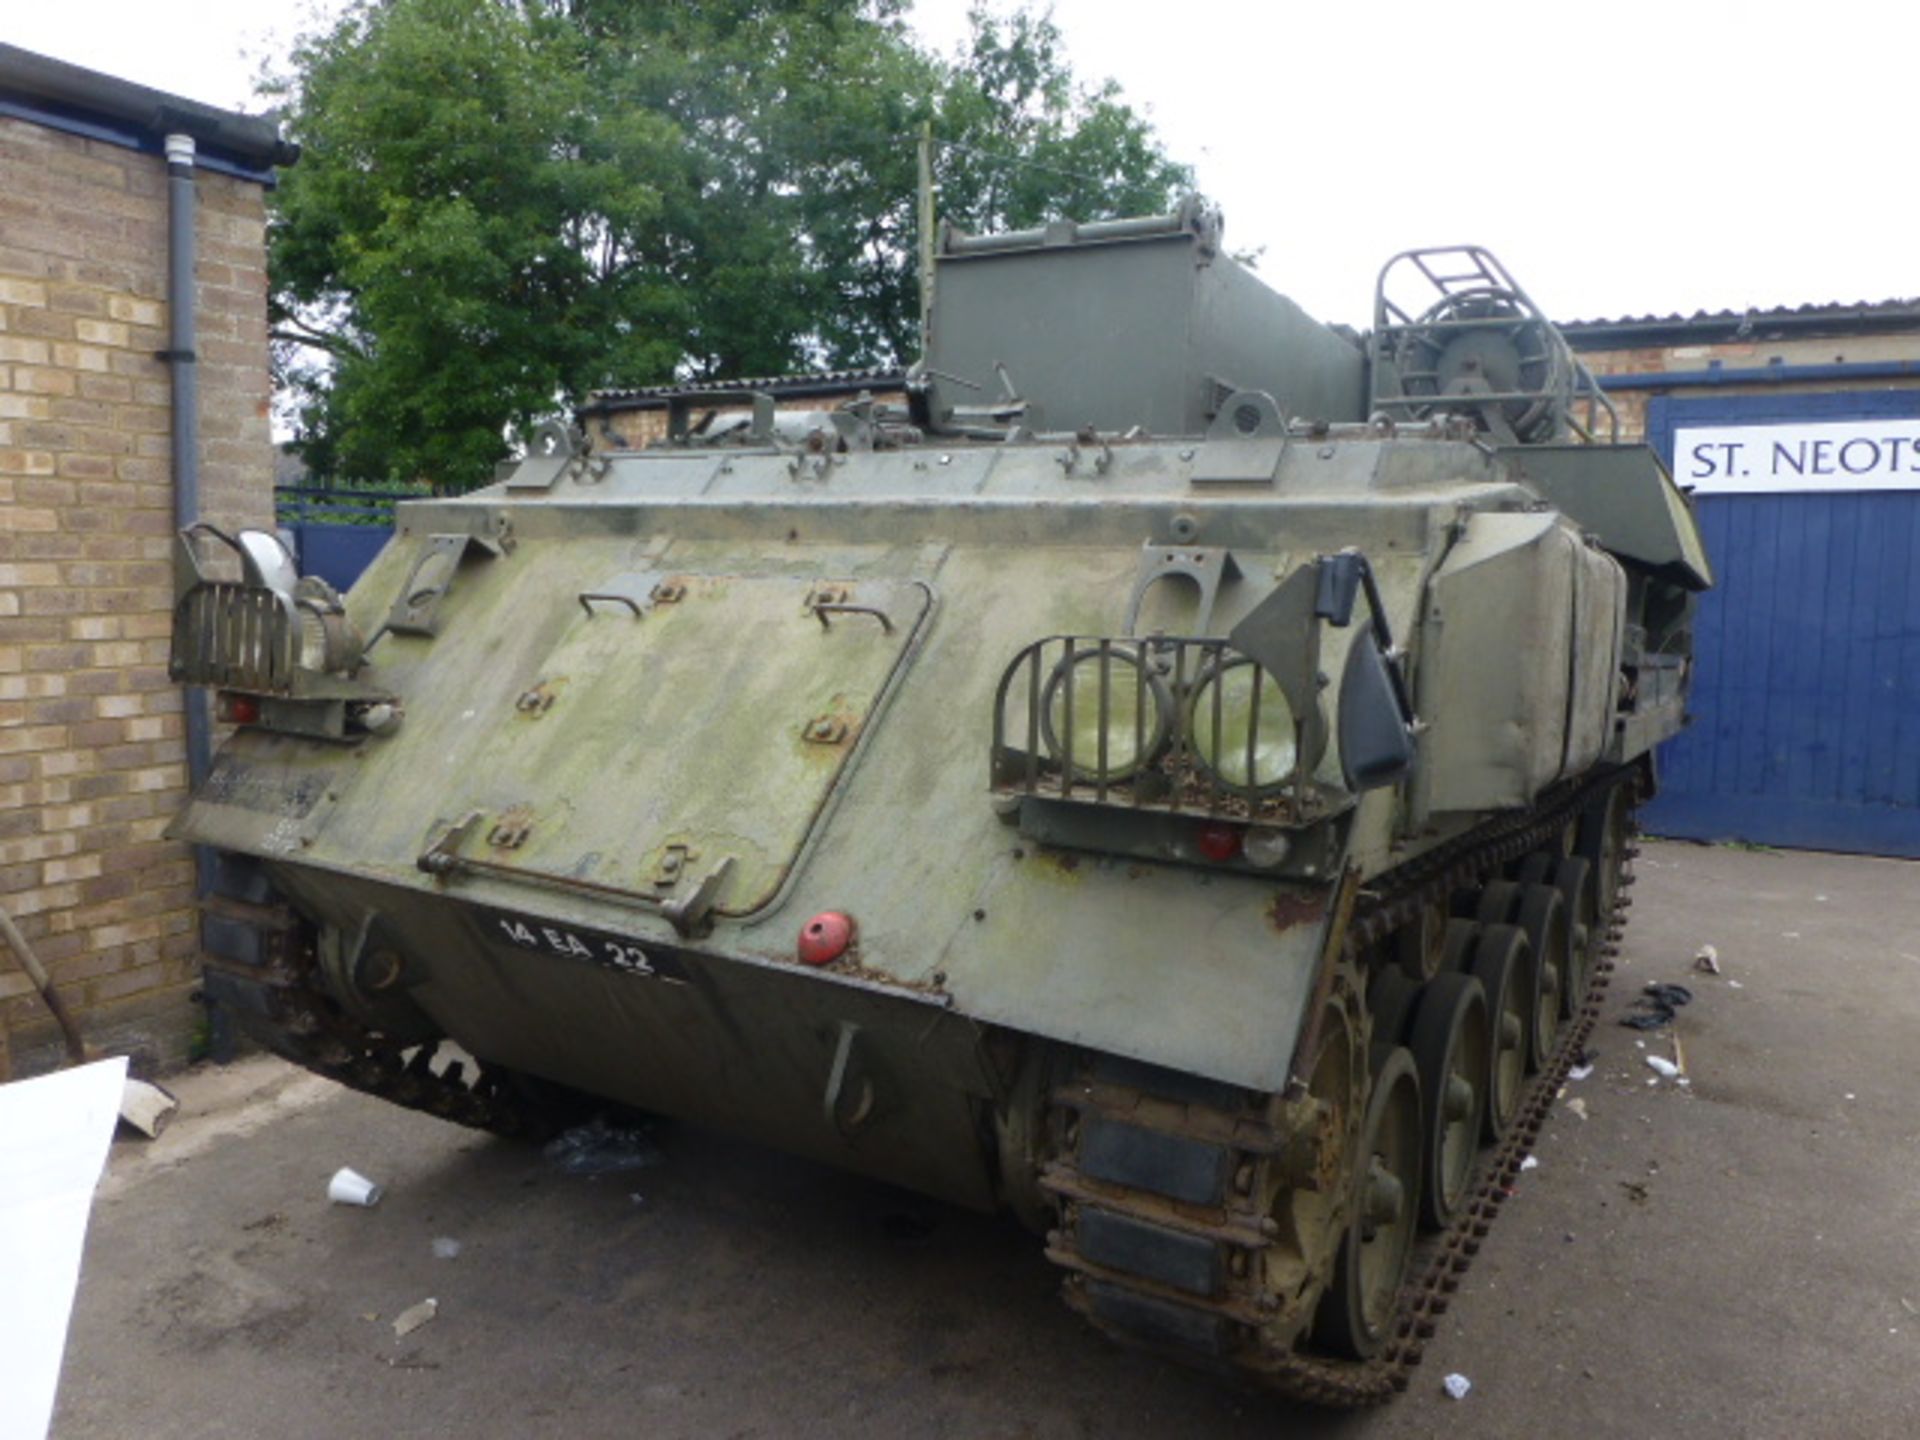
(1170, 775)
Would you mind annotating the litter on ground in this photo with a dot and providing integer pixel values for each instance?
(350, 1187)
(414, 1316)
(1658, 1002)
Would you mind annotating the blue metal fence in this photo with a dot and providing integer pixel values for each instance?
(336, 533)
(1806, 696)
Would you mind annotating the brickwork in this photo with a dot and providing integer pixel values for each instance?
(1746, 355)
(92, 759)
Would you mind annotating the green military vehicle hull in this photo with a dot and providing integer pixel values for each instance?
(1191, 844)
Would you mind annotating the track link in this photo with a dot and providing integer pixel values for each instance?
(272, 986)
(1162, 1230)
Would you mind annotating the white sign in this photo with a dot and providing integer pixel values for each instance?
(1841, 455)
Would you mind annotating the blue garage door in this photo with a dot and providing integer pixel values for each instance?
(1806, 695)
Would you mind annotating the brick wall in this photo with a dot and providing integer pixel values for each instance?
(1746, 355)
(92, 760)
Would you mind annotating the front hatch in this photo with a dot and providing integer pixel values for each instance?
(683, 737)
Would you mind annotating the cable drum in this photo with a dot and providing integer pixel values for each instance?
(1486, 341)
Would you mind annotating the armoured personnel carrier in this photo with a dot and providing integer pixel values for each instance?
(1171, 776)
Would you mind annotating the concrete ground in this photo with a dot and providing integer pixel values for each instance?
(1738, 1257)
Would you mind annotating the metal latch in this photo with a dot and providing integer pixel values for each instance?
(687, 915)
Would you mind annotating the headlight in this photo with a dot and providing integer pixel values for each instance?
(1236, 703)
(1130, 711)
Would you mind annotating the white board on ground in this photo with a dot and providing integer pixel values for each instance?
(54, 1133)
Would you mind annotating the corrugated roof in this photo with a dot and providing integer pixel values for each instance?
(1834, 314)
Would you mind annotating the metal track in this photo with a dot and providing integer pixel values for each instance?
(279, 998)
(1158, 1255)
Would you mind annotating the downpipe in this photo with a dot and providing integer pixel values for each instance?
(183, 338)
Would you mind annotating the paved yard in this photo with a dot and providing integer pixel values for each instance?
(1740, 1257)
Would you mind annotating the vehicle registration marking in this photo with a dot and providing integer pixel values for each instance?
(569, 942)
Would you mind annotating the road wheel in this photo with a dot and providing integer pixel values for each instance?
(1496, 903)
(1573, 878)
(1462, 936)
(1605, 831)
(1452, 1053)
(1499, 959)
(1543, 916)
(1390, 1000)
(1357, 1312)
(1420, 944)
(1535, 869)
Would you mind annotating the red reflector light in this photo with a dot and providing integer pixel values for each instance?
(1219, 842)
(238, 710)
(825, 938)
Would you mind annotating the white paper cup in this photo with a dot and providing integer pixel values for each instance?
(350, 1187)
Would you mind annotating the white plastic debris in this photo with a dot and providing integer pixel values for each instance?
(1577, 1107)
(350, 1187)
(1532, 1162)
(1707, 960)
(1735, 984)
(445, 1247)
(414, 1316)
(1457, 1385)
(1662, 1066)
(1849, 1095)
(1579, 1072)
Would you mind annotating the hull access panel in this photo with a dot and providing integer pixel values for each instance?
(683, 738)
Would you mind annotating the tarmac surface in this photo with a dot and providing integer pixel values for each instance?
(1739, 1256)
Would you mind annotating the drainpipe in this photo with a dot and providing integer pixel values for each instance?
(182, 313)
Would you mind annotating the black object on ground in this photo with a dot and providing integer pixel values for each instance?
(1658, 1003)
(600, 1148)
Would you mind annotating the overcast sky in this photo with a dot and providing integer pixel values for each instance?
(1627, 157)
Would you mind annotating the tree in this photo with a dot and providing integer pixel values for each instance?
(504, 204)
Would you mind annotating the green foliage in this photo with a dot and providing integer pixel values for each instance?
(503, 204)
